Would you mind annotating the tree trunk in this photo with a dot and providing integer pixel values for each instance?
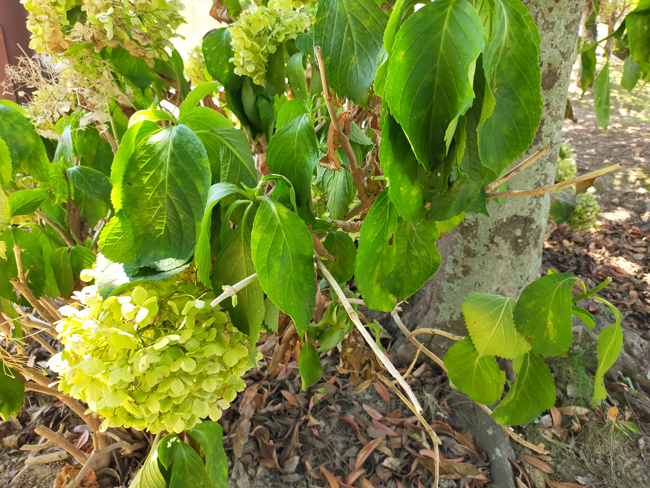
(503, 253)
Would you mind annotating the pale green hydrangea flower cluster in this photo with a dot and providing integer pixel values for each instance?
(566, 166)
(260, 31)
(195, 67)
(585, 215)
(143, 27)
(156, 357)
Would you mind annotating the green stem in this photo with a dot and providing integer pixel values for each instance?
(591, 292)
(593, 46)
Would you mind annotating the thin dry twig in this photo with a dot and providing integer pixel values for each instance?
(439, 332)
(517, 169)
(351, 227)
(343, 139)
(229, 291)
(414, 341)
(126, 447)
(62, 442)
(355, 319)
(69, 242)
(557, 186)
(516, 437)
(70, 402)
(21, 286)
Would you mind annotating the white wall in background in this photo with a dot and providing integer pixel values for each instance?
(199, 22)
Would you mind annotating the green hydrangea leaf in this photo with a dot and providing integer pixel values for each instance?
(478, 377)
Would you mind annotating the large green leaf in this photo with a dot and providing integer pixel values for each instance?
(210, 436)
(205, 118)
(195, 97)
(188, 469)
(427, 93)
(531, 394)
(149, 475)
(584, 315)
(12, 393)
(92, 150)
(132, 138)
(230, 156)
(601, 96)
(167, 449)
(341, 246)
(5, 210)
(350, 34)
(587, 68)
(136, 70)
(297, 78)
(64, 153)
(203, 255)
(165, 188)
(610, 341)
(638, 34)
(390, 33)
(631, 73)
(375, 257)
(282, 254)
(6, 169)
(293, 153)
(562, 206)
(402, 169)
(417, 257)
(234, 264)
(81, 258)
(478, 377)
(25, 202)
(513, 76)
(60, 261)
(543, 314)
(491, 326)
(93, 183)
(309, 365)
(338, 187)
(290, 110)
(218, 52)
(116, 240)
(17, 133)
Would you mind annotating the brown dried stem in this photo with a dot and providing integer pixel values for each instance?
(69, 242)
(70, 402)
(369, 340)
(352, 227)
(517, 169)
(21, 286)
(557, 186)
(61, 441)
(357, 176)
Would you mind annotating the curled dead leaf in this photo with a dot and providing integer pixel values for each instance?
(366, 451)
(331, 479)
(538, 463)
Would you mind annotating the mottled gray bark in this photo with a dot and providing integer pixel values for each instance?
(503, 253)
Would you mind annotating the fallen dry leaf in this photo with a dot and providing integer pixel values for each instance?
(70, 473)
(561, 484)
(365, 483)
(375, 414)
(574, 410)
(331, 479)
(366, 451)
(556, 415)
(538, 463)
(389, 432)
(612, 413)
(382, 390)
(354, 476)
